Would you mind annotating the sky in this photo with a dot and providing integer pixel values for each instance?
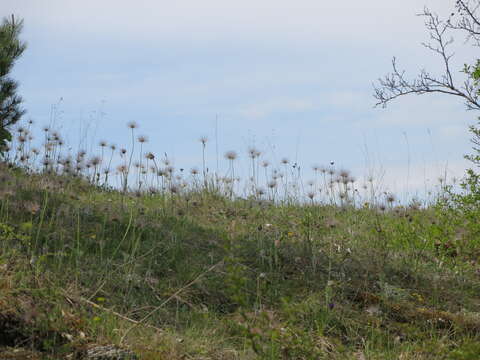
(292, 78)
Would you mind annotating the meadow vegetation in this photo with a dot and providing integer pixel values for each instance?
(122, 255)
(176, 265)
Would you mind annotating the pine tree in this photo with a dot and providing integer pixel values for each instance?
(11, 48)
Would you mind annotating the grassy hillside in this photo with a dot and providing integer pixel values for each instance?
(197, 275)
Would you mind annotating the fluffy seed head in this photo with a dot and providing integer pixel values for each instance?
(132, 125)
(231, 155)
(253, 153)
(272, 184)
(122, 169)
(149, 156)
(194, 171)
(95, 160)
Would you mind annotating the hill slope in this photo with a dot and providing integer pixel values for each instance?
(199, 276)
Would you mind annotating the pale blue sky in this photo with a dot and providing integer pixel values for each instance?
(293, 78)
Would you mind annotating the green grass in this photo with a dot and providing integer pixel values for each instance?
(201, 276)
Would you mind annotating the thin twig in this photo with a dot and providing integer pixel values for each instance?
(71, 298)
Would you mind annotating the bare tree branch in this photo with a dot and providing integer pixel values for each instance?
(468, 20)
(395, 84)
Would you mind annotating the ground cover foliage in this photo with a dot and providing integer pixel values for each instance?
(122, 256)
(199, 275)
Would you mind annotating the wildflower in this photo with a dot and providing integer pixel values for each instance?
(142, 139)
(253, 153)
(122, 169)
(284, 161)
(331, 223)
(344, 174)
(95, 160)
(203, 140)
(149, 156)
(32, 207)
(102, 143)
(194, 171)
(231, 155)
(390, 198)
(132, 125)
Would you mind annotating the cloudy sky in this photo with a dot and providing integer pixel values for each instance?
(293, 78)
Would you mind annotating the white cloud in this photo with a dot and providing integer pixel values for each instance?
(275, 106)
(261, 20)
